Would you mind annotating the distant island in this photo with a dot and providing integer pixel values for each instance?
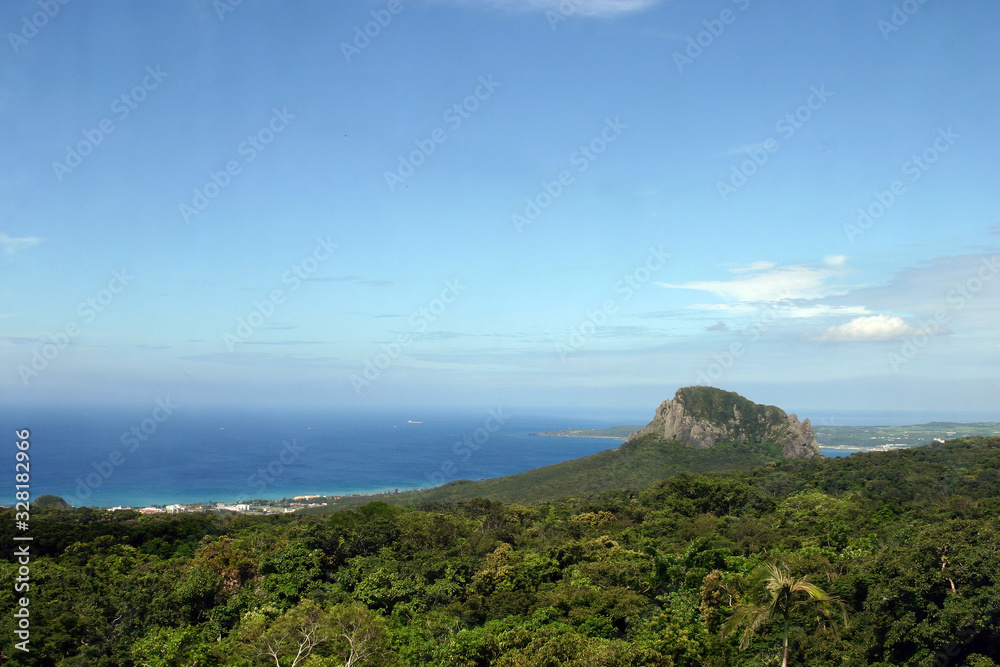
(613, 432)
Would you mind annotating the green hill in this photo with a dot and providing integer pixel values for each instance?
(634, 465)
(740, 434)
(49, 500)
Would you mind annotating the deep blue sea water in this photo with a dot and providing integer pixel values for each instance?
(92, 457)
(196, 456)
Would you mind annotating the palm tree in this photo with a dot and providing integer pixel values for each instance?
(787, 594)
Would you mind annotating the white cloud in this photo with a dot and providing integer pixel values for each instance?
(835, 261)
(756, 266)
(769, 282)
(581, 7)
(874, 327)
(820, 310)
(784, 308)
(12, 245)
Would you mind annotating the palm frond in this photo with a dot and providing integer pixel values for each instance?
(784, 594)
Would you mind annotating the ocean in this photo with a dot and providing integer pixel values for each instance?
(161, 455)
(126, 457)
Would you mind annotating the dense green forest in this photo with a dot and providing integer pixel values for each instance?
(870, 560)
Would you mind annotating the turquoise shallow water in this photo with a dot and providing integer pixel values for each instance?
(834, 453)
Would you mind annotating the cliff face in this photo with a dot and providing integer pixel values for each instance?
(703, 416)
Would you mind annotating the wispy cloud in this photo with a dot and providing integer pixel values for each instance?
(11, 244)
(786, 308)
(270, 360)
(455, 335)
(764, 282)
(283, 342)
(626, 331)
(358, 280)
(659, 314)
(920, 291)
(598, 8)
(21, 340)
(871, 328)
(835, 260)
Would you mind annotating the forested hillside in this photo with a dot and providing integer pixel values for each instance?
(887, 559)
(635, 464)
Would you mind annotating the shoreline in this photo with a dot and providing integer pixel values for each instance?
(574, 435)
(305, 501)
(249, 506)
(890, 438)
(227, 502)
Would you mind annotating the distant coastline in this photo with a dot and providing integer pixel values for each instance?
(839, 437)
(610, 433)
(574, 434)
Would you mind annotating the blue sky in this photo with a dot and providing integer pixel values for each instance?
(500, 202)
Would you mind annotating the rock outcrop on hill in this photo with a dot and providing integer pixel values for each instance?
(703, 416)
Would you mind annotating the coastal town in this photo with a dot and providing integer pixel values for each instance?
(257, 506)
